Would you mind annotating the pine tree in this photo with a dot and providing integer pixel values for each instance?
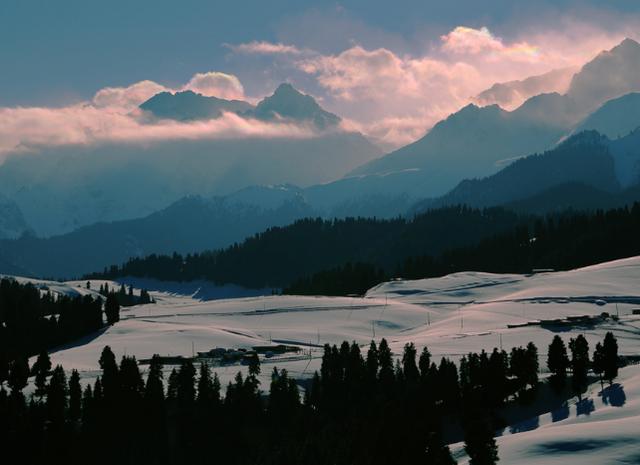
(479, 443)
(372, 363)
(409, 367)
(579, 363)
(205, 387)
(598, 362)
(610, 353)
(437, 452)
(112, 309)
(57, 397)
(172, 385)
(41, 369)
(110, 375)
(154, 388)
(385, 361)
(558, 361)
(186, 384)
(18, 375)
(75, 396)
(424, 363)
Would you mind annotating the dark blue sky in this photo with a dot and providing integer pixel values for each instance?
(54, 52)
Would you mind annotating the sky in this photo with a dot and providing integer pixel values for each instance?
(390, 69)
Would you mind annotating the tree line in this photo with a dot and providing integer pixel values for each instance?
(559, 242)
(278, 256)
(359, 408)
(339, 257)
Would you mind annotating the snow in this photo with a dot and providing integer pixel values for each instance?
(452, 315)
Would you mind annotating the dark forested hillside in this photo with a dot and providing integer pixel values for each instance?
(280, 255)
(584, 159)
(349, 256)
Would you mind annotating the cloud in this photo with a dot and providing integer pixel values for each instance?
(390, 97)
(27, 129)
(469, 41)
(397, 97)
(265, 48)
(216, 84)
(127, 98)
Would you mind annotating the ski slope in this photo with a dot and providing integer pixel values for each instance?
(452, 315)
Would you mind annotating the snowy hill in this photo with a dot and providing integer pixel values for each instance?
(452, 315)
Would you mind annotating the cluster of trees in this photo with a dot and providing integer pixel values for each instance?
(360, 408)
(315, 256)
(604, 363)
(124, 298)
(32, 320)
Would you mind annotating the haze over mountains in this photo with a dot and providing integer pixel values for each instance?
(62, 188)
(231, 188)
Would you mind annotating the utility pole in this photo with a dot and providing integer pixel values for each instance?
(500, 341)
(373, 329)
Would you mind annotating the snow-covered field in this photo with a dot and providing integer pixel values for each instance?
(452, 315)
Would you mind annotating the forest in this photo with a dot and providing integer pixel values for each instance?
(349, 256)
(360, 408)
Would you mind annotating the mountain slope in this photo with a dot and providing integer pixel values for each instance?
(615, 118)
(189, 225)
(609, 75)
(583, 158)
(472, 142)
(475, 141)
(12, 222)
(513, 93)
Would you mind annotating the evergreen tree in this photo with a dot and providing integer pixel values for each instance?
(154, 388)
(579, 363)
(131, 383)
(172, 385)
(205, 396)
(424, 363)
(438, 453)
(186, 393)
(18, 375)
(41, 369)
(57, 397)
(558, 360)
(610, 354)
(75, 396)
(599, 362)
(479, 443)
(372, 363)
(110, 377)
(112, 309)
(385, 361)
(409, 367)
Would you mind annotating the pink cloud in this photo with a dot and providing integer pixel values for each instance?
(127, 98)
(265, 48)
(469, 41)
(27, 129)
(216, 84)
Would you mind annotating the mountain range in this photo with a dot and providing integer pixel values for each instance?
(579, 149)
